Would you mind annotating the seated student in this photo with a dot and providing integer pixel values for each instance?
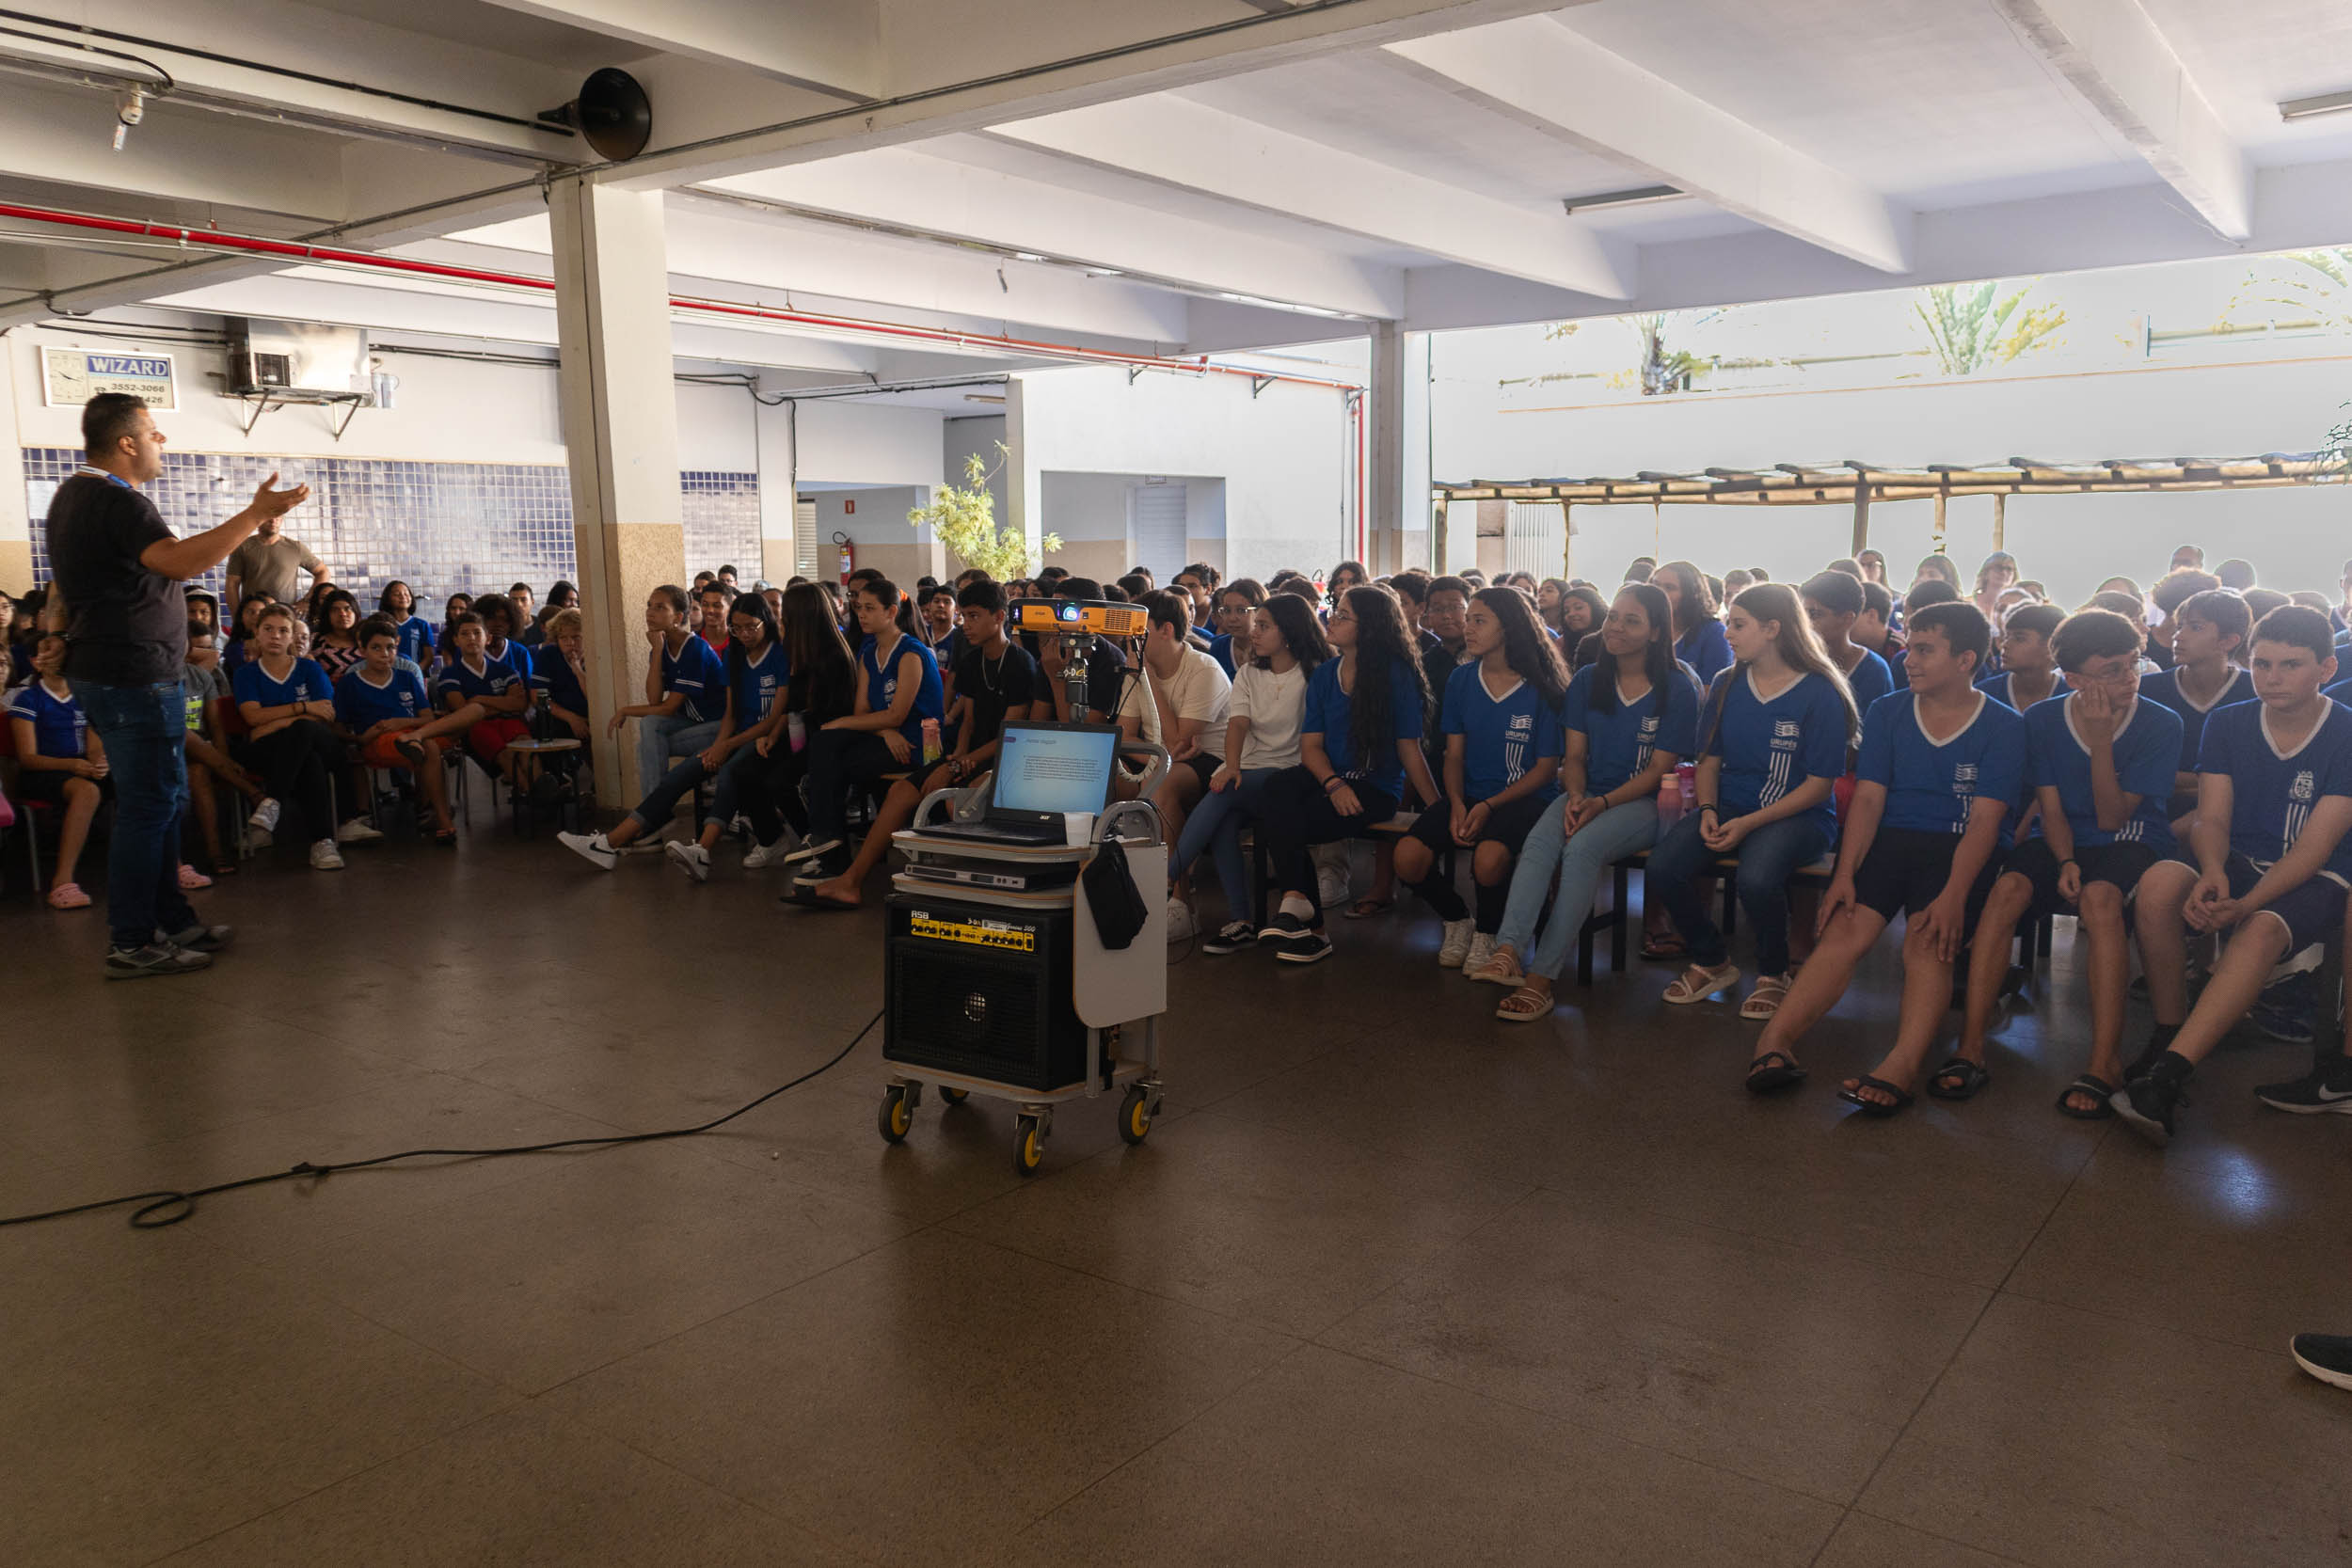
(386, 710)
(936, 610)
(444, 646)
(710, 616)
(821, 687)
(1236, 602)
(898, 688)
(2209, 632)
(1285, 647)
(1359, 742)
(1941, 767)
(1699, 639)
(287, 706)
(398, 605)
(1833, 603)
(1503, 746)
(335, 642)
(2135, 610)
(758, 672)
(502, 626)
(60, 761)
(1629, 721)
(2029, 671)
(558, 669)
(2101, 762)
(486, 691)
(999, 684)
(201, 678)
(685, 689)
(1874, 629)
(240, 646)
(2272, 864)
(1774, 732)
(1178, 699)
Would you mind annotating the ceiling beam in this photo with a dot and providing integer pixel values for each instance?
(835, 46)
(1174, 141)
(2114, 55)
(1536, 71)
(913, 189)
(61, 136)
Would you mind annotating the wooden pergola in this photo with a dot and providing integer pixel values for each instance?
(1858, 484)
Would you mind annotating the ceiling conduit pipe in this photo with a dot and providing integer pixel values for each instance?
(296, 252)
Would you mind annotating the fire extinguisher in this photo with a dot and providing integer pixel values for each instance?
(849, 557)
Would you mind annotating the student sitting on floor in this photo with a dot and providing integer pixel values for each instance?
(898, 687)
(1177, 698)
(1284, 647)
(2101, 762)
(1833, 603)
(486, 689)
(287, 706)
(59, 760)
(686, 689)
(1629, 719)
(2274, 799)
(1774, 732)
(2029, 671)
(2209, 631)
(1359, 743)
(999, 684)
(1941, 767)
(1501, 723)
(757, 669)
(387, 711)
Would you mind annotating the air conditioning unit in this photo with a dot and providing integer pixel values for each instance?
(297, 361)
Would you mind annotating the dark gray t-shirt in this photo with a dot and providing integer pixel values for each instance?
(128, 625)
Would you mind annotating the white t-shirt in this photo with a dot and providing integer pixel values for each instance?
(1198, 690)
(1274, 705)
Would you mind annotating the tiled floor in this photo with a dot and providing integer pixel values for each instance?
(1391, 1282)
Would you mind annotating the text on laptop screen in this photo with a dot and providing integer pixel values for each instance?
(1053, 771)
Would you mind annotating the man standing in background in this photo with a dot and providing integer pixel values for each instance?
(119, 602)
(269, 562)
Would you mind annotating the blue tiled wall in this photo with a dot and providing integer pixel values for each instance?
(439, 527)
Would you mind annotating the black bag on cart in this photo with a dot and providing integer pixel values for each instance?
(1120, 911)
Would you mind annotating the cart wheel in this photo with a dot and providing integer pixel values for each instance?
(1029, 1145)
(1135, 1114)
(896, 1117)
(954, 1097)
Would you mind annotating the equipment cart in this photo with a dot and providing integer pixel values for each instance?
(1009, 992)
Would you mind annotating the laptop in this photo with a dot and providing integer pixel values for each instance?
(1042, 772)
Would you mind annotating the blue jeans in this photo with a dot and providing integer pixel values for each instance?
(144, 729)
(1215, 828)
(1619, 832)
(674, 785)
(668, 735)
(1768, 858)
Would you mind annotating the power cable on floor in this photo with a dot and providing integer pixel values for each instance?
(166, 1206)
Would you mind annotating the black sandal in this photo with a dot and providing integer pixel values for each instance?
(1774, 1071)
(1969, 1078)
(1852, 1095)
(2090, 1083)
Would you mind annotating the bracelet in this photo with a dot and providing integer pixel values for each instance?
(1330, 783)
(1711, 806)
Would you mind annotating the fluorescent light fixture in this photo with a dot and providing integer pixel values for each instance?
(2310, 108)
(1636, 197)
(983, 397)
(1026, 256)
(1264, 304)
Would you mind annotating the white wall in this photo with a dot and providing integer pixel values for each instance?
(878, 529)
(846, 442)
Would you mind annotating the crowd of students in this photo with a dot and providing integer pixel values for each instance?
(2173, 769)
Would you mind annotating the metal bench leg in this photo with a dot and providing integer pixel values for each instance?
(1618, 932)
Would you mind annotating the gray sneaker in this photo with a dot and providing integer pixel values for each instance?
(156, 958)
(202, 939)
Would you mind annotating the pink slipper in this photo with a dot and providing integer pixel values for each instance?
(70, 896)
(191, 879)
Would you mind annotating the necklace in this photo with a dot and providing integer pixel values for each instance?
(991, 675)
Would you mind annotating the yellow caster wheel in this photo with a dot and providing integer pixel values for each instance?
(1029, 1145)
(954, 1097)
(896, 1116)
(1135, 1114)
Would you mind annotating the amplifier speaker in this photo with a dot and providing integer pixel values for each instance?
(981, 989)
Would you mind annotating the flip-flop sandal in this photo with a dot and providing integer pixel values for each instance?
(804, 896)
(1681, 992)
(1765, 1000)
(1663, 949)
(1364, 908)
(414, 750)
(1772, 1072)
(1968, 1077)
(2094, 1086)
(1541, 1007)
(1852, 1095)
(446, 837)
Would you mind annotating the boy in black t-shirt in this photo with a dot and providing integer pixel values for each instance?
(996, 681)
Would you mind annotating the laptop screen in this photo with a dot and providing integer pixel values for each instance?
(1042, 769)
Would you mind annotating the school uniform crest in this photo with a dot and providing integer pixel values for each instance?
(2304, 789)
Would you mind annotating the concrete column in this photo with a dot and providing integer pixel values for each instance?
(1384, 405)
(16, 523)
(620, 424)
(775, 431)
(1025, 484)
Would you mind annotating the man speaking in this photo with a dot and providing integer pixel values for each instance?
(117, 597)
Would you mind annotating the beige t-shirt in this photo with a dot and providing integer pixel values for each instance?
(1198, 690)
(270, 566)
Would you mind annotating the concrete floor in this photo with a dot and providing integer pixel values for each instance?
(1391, 1282)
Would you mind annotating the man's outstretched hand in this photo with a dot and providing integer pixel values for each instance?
(269, 502)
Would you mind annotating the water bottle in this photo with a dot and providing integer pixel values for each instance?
(932, 751)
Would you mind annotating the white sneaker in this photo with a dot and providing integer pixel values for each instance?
(692, 857)
(1330, 873)
(1482, 947)
(760, 856)
(324, 856)
(592, 848)
(1455, 945)
(264, 817)
(1181, 926)
(357, 831)
(257, 840)
(811, 848)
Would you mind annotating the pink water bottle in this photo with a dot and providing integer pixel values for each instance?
(931, 740)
